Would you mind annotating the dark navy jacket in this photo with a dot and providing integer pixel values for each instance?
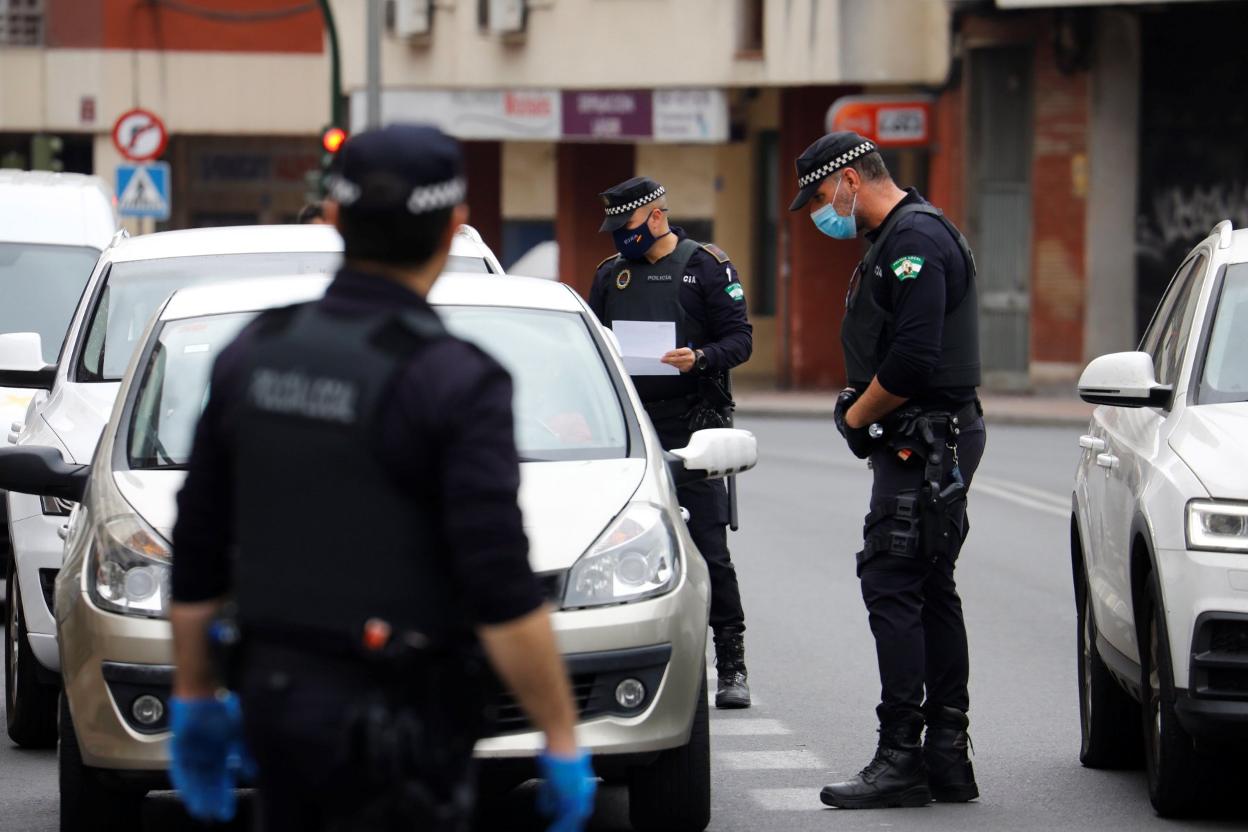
(445, 436)
(711, 294)
(918, 303)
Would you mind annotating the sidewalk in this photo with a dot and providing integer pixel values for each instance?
(999, 408)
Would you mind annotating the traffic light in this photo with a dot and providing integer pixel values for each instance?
(332, 139)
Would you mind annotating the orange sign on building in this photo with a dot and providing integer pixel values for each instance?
(888, 120)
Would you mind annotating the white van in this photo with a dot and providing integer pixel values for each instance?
(53, 227)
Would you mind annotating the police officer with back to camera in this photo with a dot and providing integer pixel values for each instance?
(910, 337)
(352, 490)
(660, 275)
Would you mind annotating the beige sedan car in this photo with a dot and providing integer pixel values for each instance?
(606, 532)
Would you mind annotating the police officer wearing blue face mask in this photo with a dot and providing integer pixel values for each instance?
(352, 489)
(912, 361)
(660, 275)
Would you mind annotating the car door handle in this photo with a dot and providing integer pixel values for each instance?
(1107, 461)
(1091, 443)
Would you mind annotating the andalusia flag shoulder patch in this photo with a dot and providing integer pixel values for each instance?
(735, 291)
(908, 267)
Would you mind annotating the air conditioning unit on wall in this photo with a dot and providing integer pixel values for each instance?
(413, 18)
(506, 17)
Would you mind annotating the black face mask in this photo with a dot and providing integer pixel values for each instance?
(633, 243)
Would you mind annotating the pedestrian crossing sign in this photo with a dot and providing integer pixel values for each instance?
(143, 190)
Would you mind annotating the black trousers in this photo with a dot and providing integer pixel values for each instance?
(295, 712)
(707, 503)
(912, 602)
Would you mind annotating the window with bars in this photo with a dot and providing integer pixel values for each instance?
(21, 22)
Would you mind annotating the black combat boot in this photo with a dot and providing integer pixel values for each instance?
(895, 777)
(733, 690)
(945, 750)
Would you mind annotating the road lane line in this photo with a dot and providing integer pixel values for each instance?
(796, 759)
(978, 487)
(1062, 502)
(748, 728)
(787, 800)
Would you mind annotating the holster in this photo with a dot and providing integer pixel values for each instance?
(713, 406)
(929, 522)
(406, 750)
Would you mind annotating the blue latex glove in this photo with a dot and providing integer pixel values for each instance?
(567, 793)
(207, 754)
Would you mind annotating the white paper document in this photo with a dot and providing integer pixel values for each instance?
(643, 343)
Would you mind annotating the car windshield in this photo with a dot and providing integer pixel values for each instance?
(566, 406)
(41, 285)
(133, 289)
(1225, 375)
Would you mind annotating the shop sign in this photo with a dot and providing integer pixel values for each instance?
(888, 120)
(471, 114)
(608, 114)
(577, 115)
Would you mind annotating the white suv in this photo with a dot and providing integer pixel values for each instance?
(1159, 534)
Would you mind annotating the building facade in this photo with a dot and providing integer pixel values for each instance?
(241, 85)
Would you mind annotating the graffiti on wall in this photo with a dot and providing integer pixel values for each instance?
(1177, 217)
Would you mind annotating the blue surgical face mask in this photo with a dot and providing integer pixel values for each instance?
(633, 243)
(833, 224)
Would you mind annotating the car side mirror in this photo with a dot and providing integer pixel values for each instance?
(21, 361)
(1123, 379)
(41, 470)
(712, 454)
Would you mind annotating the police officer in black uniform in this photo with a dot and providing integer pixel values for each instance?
(912, 360)
(660, 274)
(352, 488)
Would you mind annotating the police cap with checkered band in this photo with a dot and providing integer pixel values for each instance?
(410, 169)
(620, 202)
(824, 158)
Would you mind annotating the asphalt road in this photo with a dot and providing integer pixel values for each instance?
(812, 665)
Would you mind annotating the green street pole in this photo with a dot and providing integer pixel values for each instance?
(335, 65)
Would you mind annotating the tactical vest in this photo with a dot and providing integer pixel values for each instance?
(645, 291)
(326, 539)
(867, 331)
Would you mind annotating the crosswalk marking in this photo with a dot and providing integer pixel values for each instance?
(788, 800)
(748, 728)
(769, 760)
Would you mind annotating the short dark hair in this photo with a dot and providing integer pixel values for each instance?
(309, 212)
(871, 167)
(394, 237)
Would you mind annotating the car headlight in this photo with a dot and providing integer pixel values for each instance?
(635, 558)
(128, 565)
(1217, 526)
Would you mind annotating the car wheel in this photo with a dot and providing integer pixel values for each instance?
(87, 804)
(1109, 718)
(1174, 769)
(673, 794)
(30, 705)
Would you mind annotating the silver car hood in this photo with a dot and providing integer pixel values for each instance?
(1209, 438)
(566, 505)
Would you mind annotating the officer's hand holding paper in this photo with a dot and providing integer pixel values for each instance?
(643, 344)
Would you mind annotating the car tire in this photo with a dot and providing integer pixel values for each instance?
(673, 794)
(1174, 769)
(87, 803)
(29, 704)
(1109, 719)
